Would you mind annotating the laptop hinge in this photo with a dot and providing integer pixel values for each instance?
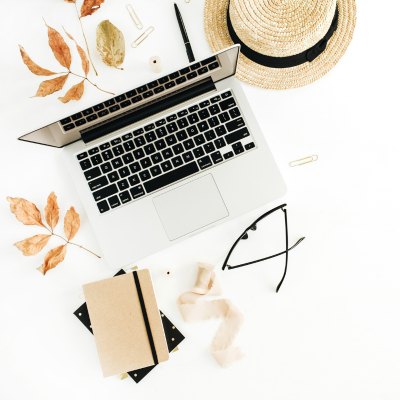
(137, 114)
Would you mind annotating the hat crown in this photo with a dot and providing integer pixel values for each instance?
(281, 28)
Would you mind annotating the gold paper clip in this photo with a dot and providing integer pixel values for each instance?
(304, 160)
(143, 36)
(134, 16)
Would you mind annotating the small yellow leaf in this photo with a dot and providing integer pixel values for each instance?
(71, 223)
(74, 93)
(25, 211)
(53, 258)
(33, 245)
(110, 44)
(51, 85)
(90, 6)
(52, 211)
(60, 49)
(33, 67)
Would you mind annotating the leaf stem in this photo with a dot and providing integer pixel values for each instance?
(85, 77)
(84, 36)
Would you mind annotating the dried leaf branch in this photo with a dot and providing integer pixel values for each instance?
(28, 213)
(62, 53)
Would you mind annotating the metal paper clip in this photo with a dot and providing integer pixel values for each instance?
(134, 16)
(143, 36)
(304, 160)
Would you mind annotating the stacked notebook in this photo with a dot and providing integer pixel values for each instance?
(131, 334)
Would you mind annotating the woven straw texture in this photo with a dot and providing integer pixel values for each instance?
(281, 28)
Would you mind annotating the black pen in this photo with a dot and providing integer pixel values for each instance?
(189, 50)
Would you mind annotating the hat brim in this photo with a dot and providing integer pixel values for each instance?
(281, 78)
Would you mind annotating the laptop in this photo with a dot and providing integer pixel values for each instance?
(167, 159)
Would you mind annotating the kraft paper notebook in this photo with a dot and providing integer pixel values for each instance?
(126, 322)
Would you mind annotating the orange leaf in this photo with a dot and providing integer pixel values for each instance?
(51, 85)
(70, 1)
(90, 6)
(74, 93)
(82, 54)
(52, 211)
(53, 258)
(60, 49)
(33, 67)
(33, 245)
(25, 211)
(71, 223)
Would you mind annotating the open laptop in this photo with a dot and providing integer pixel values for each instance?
(168, 159)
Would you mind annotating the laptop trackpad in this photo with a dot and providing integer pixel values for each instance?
(190, 207)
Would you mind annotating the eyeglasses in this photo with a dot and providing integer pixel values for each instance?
(253, 227)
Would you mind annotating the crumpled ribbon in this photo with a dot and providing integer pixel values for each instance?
(193, 307)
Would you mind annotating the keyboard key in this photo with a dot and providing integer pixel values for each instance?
(188, 156)
(216, 157)
(156, 158)
(116, 107)
(166, 166)
(172, 127)
(181, 135)
(81, 156)
(103, 206)
(192, 130)
(105, 192)
(161, 122)
(149, 127)
(172, 117)
(199, 139)
(249, 146)
(149, 149)
(208, 60)
(215, 99)
(219, 143)
(238, 148)
(134, 180)
(178, 149)
(202, 71)
(103, 113)
(131, 93)
(171, 139)
(237, 135)
(146, 95)
(191, 75)
(169, 85)
(228, 103)
(123, 184)
(161, 132)
(235, 124)
(145, 162)
(153, 84)
(138, 132)
(137, 191)
(116, 163)
(182, 123)
(193, 118)
(109, 103)
(184, 71)
(213, 122)
(105, 146)
(180, 80)
(118, 150)
(204, 162)
(194, 108)
(76, 116)
(85, 164)
(128, 146)
(159, 89)
(203, 114)
(209, 147)
(106, 167)
(125, 197)
(220, 130)
(107, 155)
(113, 176)
(98, 183)
(114, 201)
(177, 161)
(195, 66)
(226, 94)
(127, 136)
(204, 103)
(91, 118)
(140, 141)
(95, 150)
(142, 89)
(128, 158)
(120, 98)
(171, 177)
(138, 154)
(116, 141)
(125, 103)
(210, 135)
(198, 152)
(228, 155)
(160, 144)
(65, 121)
(145, 175)
(96, 159)
(98, 107)
(234, 112)
(155, 171)
(173, 75)
(135, 167)
(203, 126)
(68, 127)
(213, 66)
(136, 99)
(163, 79)
(150, 137)
(167, 153)
(123, 172)
(224, 117)
(189, 144)
(80, 122)
(214, 109)
(88, 111)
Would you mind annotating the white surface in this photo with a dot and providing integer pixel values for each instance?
(332, 332)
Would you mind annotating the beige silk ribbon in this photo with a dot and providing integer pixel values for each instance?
(194, 307)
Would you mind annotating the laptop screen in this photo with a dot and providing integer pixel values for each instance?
(131, 105)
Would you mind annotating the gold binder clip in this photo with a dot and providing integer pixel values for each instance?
(304, 160)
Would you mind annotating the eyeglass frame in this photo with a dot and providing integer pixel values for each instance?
(253, 226)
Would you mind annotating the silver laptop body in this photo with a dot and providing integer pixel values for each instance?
(167, 160)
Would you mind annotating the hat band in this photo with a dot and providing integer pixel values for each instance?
(284, 62)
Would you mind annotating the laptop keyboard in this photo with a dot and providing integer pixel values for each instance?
(165, 151)
(134, 96)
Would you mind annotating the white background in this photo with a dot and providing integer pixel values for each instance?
(333, 330)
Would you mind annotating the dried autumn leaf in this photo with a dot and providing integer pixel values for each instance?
(60, 49)
(51, 85)
(25, 211)
(70, 1)
(52, 211)
(74, 93)
(110, 44)
(32, 245)
(71, 223)
(82, 54)
(32, 66)
(90, 6)
(53, 258)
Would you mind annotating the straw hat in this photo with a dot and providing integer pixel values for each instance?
(284, 43)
